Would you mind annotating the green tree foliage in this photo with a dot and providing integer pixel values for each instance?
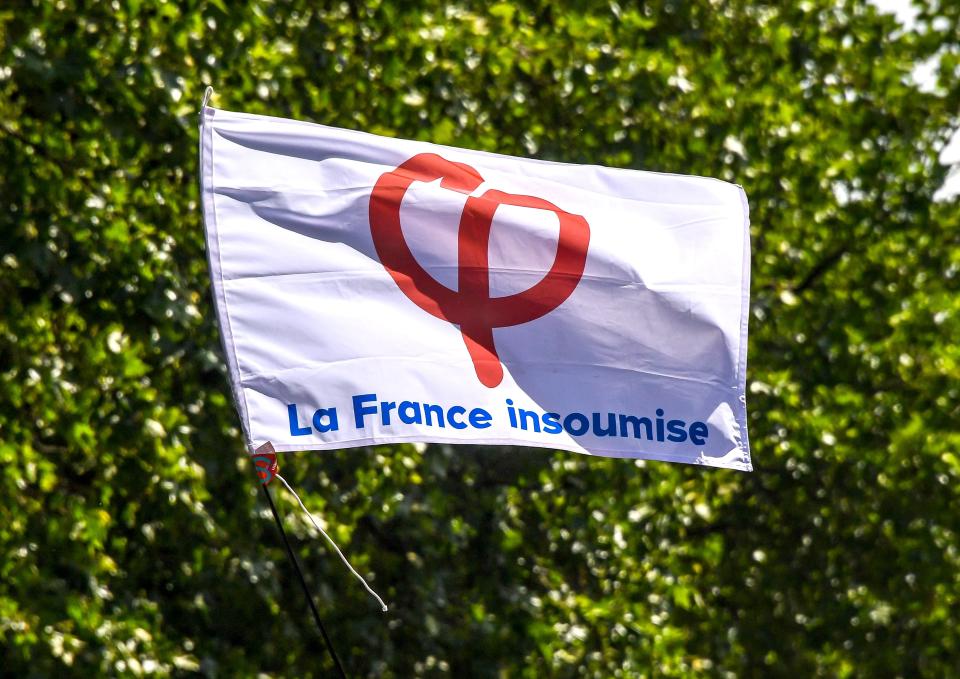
(132, 536)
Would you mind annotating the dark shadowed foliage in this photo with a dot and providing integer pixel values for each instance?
(132, 536)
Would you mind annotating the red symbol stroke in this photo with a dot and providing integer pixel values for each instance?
(471, 307)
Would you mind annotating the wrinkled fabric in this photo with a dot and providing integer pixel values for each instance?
(374, 290)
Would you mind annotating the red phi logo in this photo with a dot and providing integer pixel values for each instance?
(471, 307)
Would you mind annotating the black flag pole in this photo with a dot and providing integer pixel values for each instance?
(303, 582)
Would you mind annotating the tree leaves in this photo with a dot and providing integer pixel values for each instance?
(132, 537)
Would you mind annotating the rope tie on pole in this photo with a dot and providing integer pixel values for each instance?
(267, 468)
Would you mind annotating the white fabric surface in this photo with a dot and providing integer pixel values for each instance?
(311, 318)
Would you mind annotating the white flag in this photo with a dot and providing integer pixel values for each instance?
(374, 290)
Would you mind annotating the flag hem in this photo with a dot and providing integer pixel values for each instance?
(704, 461)
(212, 238)
(744, 323)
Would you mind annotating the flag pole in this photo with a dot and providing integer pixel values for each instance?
(303, 583)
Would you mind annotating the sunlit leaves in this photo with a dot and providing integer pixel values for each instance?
(132, 538)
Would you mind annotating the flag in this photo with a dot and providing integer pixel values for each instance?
(375, 290)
